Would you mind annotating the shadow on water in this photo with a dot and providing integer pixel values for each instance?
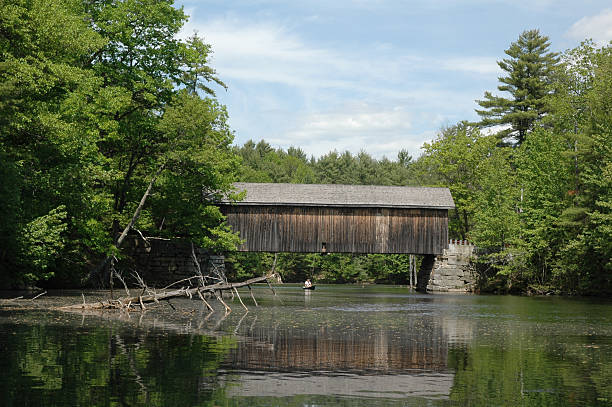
(338, 345)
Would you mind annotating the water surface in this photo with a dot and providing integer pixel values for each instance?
(337, 345)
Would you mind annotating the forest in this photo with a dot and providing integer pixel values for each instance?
(109, 124)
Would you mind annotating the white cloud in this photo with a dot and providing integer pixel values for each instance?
(358, 121)
(270, 52)
(358, 126)
(292, 93)
(476, 65)
(597, 27)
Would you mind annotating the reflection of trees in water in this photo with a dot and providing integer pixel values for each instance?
(525, 367)
(55, 365)
(420, 345)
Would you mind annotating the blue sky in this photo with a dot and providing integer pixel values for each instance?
(372, 75)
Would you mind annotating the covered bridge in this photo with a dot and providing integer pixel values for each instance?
(312, 218)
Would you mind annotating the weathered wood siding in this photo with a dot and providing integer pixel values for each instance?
(305, 229)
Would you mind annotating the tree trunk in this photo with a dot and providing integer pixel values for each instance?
(103, 266)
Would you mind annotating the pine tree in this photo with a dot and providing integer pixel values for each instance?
(530, 67)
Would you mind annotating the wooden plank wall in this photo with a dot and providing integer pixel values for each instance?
(343, 230)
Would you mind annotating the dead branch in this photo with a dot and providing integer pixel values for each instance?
(120, 277)
(197, 265)
(271, 288)
(141, 283)
(7, 300)
(39, 295)
(141, 204)
(204, 301)
(21, 299)
(144, 239)
(180, 281)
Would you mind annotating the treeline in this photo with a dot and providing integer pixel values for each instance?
(263, 163)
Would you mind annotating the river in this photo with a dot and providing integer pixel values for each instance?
(335, 346)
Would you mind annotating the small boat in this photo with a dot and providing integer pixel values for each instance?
(312, 287)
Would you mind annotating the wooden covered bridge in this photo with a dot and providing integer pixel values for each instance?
(311, 218)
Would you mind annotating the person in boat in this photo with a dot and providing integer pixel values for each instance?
(307, 283)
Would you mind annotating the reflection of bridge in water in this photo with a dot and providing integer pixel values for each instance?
(332, 349)
(379, 361)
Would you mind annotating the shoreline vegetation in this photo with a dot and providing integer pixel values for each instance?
(109, 122)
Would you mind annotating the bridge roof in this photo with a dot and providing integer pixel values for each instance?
(337, 195)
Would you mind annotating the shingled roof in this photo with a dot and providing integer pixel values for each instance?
(345, 195)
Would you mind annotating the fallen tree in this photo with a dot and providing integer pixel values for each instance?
(151, 296)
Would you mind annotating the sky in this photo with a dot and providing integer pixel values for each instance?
(370, 75)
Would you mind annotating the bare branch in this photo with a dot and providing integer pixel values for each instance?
(252, 296)
(130, 225)
(197, 265)
(120, 277)
(39, 295)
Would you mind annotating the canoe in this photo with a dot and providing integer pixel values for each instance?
(312, 287)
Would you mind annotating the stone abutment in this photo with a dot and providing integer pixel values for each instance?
(450, 272)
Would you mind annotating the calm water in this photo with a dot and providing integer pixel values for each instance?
(336, 346)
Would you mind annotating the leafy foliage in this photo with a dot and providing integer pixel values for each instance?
(456, 156)
(42, 239)
(96, 98)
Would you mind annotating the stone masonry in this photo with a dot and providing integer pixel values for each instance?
(163, 261)
(453, 272)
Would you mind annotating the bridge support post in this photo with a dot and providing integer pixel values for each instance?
(425, 271)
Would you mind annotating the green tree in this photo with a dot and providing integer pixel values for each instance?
(335, 168)
(583, 116)
(263, 163)
(140, 66)
(545, 175)
(47, 150)
(496, 217)
(454, 157)
(92, 116)
(530, 68)
(199, 167)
